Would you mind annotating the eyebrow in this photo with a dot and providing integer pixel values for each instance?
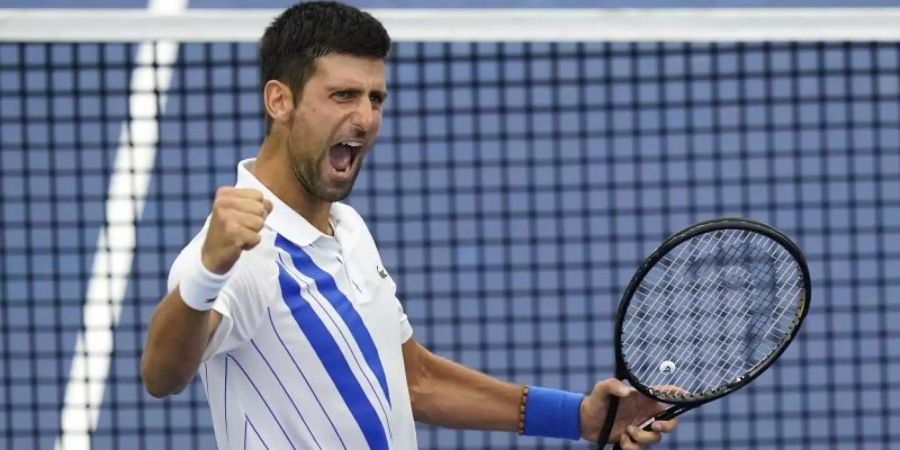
(338, 88)
(346, 85)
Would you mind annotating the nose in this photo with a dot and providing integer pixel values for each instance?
(364, 115)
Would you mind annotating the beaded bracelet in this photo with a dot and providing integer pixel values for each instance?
(522, 404)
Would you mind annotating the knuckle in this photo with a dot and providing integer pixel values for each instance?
(222, 204)
(224, 191)
(259, 210)
(251, 193)
(252, 241)
(259, 223)
(232, 228)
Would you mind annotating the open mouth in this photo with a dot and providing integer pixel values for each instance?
(343, 155)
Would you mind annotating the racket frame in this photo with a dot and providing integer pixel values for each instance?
(681, 404)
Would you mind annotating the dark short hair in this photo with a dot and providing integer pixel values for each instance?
(306, 31)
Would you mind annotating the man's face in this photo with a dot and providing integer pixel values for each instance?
(335, 124)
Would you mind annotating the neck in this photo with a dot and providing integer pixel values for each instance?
(273, 170)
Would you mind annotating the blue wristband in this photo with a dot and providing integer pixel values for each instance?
(553, 413)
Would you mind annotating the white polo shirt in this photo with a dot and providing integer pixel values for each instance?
(308, 352)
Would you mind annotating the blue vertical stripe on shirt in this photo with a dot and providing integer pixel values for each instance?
(326, 348)
(328, 287)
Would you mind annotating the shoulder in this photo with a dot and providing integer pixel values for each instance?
(354, 220)
(348, 213)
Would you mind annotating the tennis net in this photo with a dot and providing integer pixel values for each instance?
(516, 185)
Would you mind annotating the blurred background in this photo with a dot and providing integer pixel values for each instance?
(514, 190)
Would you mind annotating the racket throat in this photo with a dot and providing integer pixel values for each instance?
(668, 414)
(647, 423)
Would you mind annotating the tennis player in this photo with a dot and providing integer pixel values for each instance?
(283, 305)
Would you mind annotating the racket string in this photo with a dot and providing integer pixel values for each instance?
(729, 272)
(668, 312)
(717, 334)
(670, 274)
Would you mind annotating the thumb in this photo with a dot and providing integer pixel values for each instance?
(268, 205)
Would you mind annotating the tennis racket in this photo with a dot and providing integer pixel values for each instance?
(707, 312)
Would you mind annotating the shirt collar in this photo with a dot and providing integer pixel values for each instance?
(287, 222)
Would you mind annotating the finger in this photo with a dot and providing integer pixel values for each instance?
(664, 426)
(244, 205)
(241, 229)
(247, 238)
(233, 192)
(253, 206)
(614, 386)
(251, 241)
(249, 193)
(670, 389)
(250, 222)
(643, 437)
(627, 443)
(268, 205)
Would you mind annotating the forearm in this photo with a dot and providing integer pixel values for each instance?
(448, 394)
(175, 342)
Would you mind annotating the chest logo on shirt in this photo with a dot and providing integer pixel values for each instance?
(381, 272)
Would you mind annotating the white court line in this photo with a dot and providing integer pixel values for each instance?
(114, 253)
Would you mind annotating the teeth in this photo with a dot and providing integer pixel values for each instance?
(352, 144)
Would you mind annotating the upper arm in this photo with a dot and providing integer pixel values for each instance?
(415, 358)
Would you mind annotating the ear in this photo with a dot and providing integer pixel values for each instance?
(279, 101)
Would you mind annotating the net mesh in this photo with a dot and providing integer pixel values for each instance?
(513, 192)
(710, 311)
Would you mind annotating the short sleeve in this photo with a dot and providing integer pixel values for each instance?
(406, 330)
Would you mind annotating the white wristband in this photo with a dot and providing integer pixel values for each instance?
(199, 287)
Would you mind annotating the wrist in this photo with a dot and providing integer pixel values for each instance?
(215, 265)
(199, 286)
(551, 413)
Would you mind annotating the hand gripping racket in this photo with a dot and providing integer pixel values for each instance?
(707, 312)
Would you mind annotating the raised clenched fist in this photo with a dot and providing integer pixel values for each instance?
(238, 216)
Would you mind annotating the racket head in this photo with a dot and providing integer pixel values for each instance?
(764, 251)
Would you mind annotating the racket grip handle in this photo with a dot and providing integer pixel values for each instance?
(611, 411)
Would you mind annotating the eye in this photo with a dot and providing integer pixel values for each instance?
(377, 100)
(343, 96)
